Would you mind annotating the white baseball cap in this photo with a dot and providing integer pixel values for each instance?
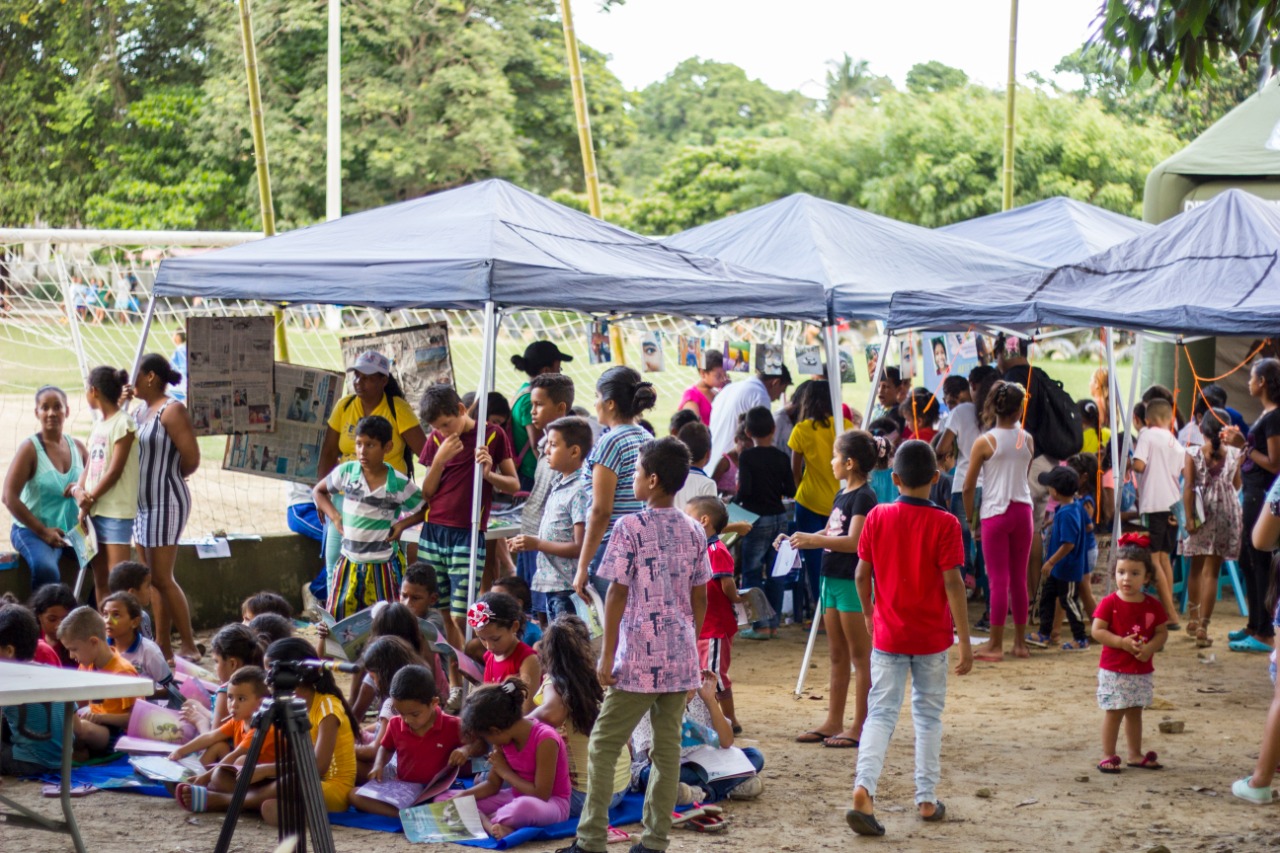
(371, 361)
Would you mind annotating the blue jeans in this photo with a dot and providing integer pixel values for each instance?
(808, 521)
(39, 556)
(692, 774)
(957, 509)
(558, 604)
(304, 519)
(600, 584)
(526, 567)
(928, 696)
(757, 567)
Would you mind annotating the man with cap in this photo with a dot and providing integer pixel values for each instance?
(376, 393)
(1067, 565)
(539, 357)
(735, 400)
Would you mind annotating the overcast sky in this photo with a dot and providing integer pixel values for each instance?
(787, 44)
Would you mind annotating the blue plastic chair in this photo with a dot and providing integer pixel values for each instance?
(1228, 574)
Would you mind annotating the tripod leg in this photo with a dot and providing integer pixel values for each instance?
(304, 804)
(263, 725)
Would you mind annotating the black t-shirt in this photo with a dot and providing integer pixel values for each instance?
(847, 506)
(1019, 373)
(1252, 475)
(764, 479)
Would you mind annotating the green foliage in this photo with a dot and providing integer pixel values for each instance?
(849, 81)
(1185, 40)
(934, 76)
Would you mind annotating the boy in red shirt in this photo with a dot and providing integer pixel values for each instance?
(912, 550)
(715, 643)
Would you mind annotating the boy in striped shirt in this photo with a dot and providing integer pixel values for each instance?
(375, 496)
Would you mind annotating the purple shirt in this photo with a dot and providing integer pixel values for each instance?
(660, 555)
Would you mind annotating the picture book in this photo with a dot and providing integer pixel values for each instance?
(156, 722)
(755, 607)
(348, 638)
(404, 795)
(83, 539)
(163, 770)
(453, 820)
(184, 667)
(731, 763)
(591, 612)
(144, 746)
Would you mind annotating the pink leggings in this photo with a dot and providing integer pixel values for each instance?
(516, 810)
(1006, 548)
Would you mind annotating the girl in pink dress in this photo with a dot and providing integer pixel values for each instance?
(710, 380)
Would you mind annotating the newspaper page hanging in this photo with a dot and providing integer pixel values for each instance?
(419, 356)
(304, 399)
(230, 360)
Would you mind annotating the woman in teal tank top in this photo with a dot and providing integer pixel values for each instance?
(37, 489)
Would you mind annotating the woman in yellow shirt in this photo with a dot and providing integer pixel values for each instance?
(812, 442)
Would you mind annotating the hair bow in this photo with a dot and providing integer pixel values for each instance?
(478, 615)
(1137, 540)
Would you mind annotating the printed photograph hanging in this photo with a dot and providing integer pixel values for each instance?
(737, 357)
(769, 359)
(809, 360)
(651, 357)
(600, 352)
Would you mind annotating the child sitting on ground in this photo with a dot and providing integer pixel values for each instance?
(381, 660)
(420, 738)
(265, 602)
(135, 579)
(702, 715)
(720, 625)
(913, 550)
(1132, 627)
(84, 633)
(375, 496)
(123, 616)
(50, 604)
(233, 647)
(33, 745)
(419, 593)
(558, 543)
(528, 784)
(269, 627)
(497, 621)
(1066, 565)
(569, 700)
(393, 620)
(514, 586)
(223, 749)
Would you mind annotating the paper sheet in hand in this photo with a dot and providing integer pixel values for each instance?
(788, 559)
(453, 820)
(721, 763)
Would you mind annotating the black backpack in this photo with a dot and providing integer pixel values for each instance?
(1053, 418)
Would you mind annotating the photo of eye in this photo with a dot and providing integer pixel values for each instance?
(651, 357)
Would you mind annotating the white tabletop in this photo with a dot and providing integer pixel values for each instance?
(22, 683)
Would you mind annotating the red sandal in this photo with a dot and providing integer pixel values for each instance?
(1110, 764)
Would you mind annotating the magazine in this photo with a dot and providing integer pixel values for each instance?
(163, 770)
(592, 612)
(453, 820)
(150, 721)
(348, 638)
(405, 795)
(83, 539)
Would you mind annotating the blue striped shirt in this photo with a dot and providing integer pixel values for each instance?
(618, 449)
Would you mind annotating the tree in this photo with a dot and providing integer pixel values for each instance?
(1185, 39)
(701, 184)
(934, 76)
(850, 81)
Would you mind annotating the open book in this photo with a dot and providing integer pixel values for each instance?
(591, 612)
(148, 721)
(730, 763)
(347, 638)
(755, 607)
(453, 820)
(163, 770)
(405, 795)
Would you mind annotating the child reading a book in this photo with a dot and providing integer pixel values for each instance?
(84, 633)
(715, 642)
(381, 660)
(375, 496)
(223, 749)
(134, 578)
(233, 647)
(33, 746)
(51, 603)
(419, 592)
(528, 784)
(265, 602)
(269, 627)
(514, 586)
(496, 620)
(415, 748)
(123, 615)
(569, 699)
(451, 454)
(558, 543)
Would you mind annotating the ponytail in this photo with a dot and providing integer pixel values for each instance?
(495, 707)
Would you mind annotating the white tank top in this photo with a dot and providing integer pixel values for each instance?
(1004, 475)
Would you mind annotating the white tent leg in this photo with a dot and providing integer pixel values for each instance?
(879, 374)
(142, 341)
(482, 419)
(1123, 451)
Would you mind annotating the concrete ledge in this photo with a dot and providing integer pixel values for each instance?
(215, 588)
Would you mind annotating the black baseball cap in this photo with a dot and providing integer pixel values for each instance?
(1062, 480)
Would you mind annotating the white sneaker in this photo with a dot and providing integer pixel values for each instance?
(689, 794)
(748, 789)
(311, 606)
(454, 705)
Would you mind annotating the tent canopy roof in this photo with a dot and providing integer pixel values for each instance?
(1054, 231)
(860, 257)
(1210, 271)
(487, 241)
(1245, 141)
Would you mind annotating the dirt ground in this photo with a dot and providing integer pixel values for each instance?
(1018, 756)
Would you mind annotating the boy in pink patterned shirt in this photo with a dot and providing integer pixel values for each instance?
(657, 566)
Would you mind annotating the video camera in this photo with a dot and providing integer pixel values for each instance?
(283, 676)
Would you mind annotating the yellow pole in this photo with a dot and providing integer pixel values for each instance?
(580, 110)
(1009, 106)
(260, 153)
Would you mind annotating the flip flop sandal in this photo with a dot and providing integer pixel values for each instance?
(706, 823)
(1110, 764)
(681, 818)
(814, 736)
(1040, 641)
(863, 823)
(1249, 644)
(939, 813)
(198, 797)
(840, 742)
(1148, 762)
(616, 836)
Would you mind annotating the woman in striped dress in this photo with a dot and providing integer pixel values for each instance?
(168, 454)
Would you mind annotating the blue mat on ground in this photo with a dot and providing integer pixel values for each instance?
(109, 776)
(628, 811)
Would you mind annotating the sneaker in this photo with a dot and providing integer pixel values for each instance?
(748, 789)
(1257, 796)
(640, 848)
(572, 848)
(1075, 646)
(454, 705)
(754, 635)
(689, 794)
(983, 625)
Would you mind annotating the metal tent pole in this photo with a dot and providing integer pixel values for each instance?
(142, 341)
(482, 420)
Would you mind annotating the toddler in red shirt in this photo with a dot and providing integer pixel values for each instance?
(715, 642)
(911, 553)
(1131, 626)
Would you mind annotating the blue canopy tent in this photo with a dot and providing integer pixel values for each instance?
(861, 258)
(1054, 231)
(487, 246)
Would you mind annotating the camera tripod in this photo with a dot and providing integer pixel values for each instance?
(300, 799)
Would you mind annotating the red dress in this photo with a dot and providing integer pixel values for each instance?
(496, 671)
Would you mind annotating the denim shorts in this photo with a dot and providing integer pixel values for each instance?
(113, 531)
